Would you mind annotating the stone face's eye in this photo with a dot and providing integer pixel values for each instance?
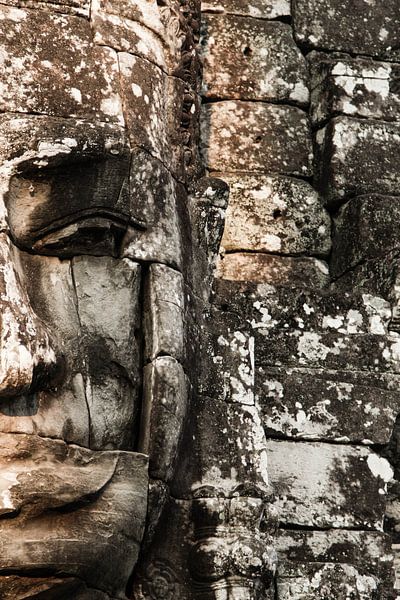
(96, 236)
(54, 213)
(70, 192)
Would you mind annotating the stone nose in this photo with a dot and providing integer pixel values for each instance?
(28, 360)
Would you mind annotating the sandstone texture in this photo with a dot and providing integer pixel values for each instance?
(350, 151)
(318, 581)
(345, 406)
(354, 87)
(43, 480)
(275, 214)
(254, 59)
(322, 485)
(366, 229)
(267, 268)
(59, 73)
(366, 27)
(267, 9)
(248, 136)
(74, 7)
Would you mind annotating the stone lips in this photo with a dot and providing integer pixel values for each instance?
(65, 497)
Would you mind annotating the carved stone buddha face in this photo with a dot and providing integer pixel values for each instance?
(90, 240)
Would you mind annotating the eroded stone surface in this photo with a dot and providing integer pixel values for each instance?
(366, 228)
(237, 465)
(153, 105)
(266, 268)
(275, 214)
(14, 587)
(354, 87)
(318, 581)
(42, 479)
(329, 405)
(363, 352)
(164, 313)
(103, 287)
(269, 9)
(75, 7)
(368, 551)
(247, 136)
(325, 485)
(161, 200)
(358, 157)
(165, 400)
(366, 26)
(36, 69)
(250, 59)
(266, 307)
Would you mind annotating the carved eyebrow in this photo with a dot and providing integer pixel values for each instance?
(93, 212)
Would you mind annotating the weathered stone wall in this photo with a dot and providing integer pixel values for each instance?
(301, 118)
(191, 409)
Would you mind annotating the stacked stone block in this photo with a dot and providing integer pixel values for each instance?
(300, 117)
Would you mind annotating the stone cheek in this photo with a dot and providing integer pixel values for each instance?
(366, 27)
(255, 60)
(58, 73)
(275, 214)
(248, 136)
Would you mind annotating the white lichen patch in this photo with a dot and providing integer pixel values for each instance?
(380, 467)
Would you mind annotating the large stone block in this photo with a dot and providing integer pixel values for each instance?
(165, 399)
(153, 109)
(107, 291)
(318, 581)
(328, 485)
(50, 66)
(369, 551)
(275, 214)
(366, 228)
(266, 9)
(354, 87)
(77, 509)
(336, 351)
(164, 313)
(251, 59)
(73, 7)
(357, 157)
(334, 405)
(250, 136)
(278, 270)
(162, 205)
(366, 27)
